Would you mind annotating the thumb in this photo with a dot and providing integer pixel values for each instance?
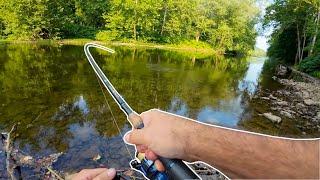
(106, 175)
(135, 136)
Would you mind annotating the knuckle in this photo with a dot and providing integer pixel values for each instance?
(83, 171)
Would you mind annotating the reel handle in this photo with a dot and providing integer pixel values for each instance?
(175, 168)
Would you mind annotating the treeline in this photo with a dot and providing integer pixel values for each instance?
(224, 25)
(296, 36)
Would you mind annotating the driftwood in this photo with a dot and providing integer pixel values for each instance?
(10, 164)
(15, 159)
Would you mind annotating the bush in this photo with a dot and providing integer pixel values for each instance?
(106, 36)
(311, 65)
(71, 30)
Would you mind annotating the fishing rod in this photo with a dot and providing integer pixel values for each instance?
(175, 168)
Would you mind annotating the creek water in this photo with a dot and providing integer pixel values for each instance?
(54, 96)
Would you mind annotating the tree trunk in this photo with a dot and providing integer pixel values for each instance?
(135, 31)
(314, 39)
(298, 48)
(197, 36)
(164, 18)
(303, 43)
(135, 22)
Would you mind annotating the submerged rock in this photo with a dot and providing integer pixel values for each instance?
(272, 117)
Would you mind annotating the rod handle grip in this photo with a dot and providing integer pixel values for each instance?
(135, 120)
(177, 169)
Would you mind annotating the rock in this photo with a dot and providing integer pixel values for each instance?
(97, 157)
(304, 133)
(298, 95)
(300, 106)
(305, 94)
(282, 70)
(287, 93)
(287, 114)
(26, 160)
(272, 117)
(309, 102)
(265, 98)
(272, 97)
(282, 103)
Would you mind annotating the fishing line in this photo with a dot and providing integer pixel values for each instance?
(175, 168)
(114, 119)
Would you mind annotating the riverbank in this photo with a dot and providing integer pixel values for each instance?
(188, 48)
(298, 100)
(198, 49)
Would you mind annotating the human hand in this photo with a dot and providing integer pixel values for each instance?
(95, 174)
(163, 134)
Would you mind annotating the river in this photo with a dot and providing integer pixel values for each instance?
(51, 92)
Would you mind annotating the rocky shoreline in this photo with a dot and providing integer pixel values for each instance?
(298, 100)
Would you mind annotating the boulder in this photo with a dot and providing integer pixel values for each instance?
(287, 114)
(309, 102)
(305, 94)
(282, 70)
(272, 117)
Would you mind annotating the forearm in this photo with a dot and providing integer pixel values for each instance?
(243, 155)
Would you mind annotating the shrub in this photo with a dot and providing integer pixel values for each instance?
(107, 36)
(311, 65)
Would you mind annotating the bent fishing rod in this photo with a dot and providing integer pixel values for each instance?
(175, 168)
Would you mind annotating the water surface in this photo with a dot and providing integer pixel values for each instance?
(54, 96)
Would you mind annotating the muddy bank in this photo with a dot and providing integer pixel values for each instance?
(298, 100)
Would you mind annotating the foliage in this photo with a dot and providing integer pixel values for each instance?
(225, 25)
(44, 19)
(311, 65)
(41, 86)
(296, 29)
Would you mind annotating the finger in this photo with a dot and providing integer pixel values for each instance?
(142, 148)
(135, 136)
(151, 155)
(90, 173)
(148, 115)
(106, 175)
(159, 165)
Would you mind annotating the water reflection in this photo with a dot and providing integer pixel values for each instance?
(82, 105)
(229, 112)
(52, 92)
(251, 80)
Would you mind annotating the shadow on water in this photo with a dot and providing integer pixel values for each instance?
(52, 92)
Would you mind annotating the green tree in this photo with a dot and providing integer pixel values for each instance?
(23, 19)
(296, 24)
